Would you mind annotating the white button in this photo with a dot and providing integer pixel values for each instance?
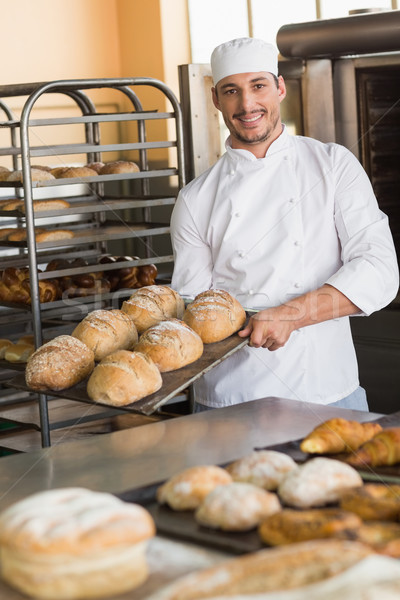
(241, 253)
(232, 172)
(285, 157)
(297, 243)
(251, 292)
(237, 214)
(291, 200)
(297, 284)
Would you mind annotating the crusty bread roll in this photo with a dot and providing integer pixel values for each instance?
(105, 331)
(19, 352)
(36, 175)
(4, 344)
(272, 569)
(59, 364)
(214, 315)
(54, 235)
(264, 468)
(171, 345)
(373, 501)
(317, 482)
(187, 489)
(123, 377)
(12, 205)
(6, 231)
(236, 506)
(152, 304)
(95, 166)
(42, 205)
(72, 543)
(119, 166)
(290, 526)
(67, 172)
(338, 435)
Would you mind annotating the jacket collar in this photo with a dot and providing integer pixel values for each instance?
(278, 145)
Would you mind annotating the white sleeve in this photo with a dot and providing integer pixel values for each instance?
(192, 255)
(369, 276)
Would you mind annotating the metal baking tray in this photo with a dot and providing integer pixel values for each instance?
(173, 382)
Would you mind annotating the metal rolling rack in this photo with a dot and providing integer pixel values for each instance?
(89, 212)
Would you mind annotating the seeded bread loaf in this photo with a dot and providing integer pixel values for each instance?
(152, 304)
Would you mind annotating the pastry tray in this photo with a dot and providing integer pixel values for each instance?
(173, 382)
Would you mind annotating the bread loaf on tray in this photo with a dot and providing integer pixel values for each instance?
(105, 331)
(59, 364)
(171, 345)
(214, 315)
(123, 377)
(152, 304)
(72, 543)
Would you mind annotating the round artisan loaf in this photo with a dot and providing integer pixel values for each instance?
(105, 331)
(264, 468)
(59, 364)
(171, 345)
(123, 377)
(317, 482)
(187, 489)
(152, 304)
(73, 543)
(214, 315)
(119, 166)
(236, 506)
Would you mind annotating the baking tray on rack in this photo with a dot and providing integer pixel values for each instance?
(173, 382)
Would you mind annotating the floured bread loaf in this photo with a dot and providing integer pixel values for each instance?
(187, 489)
(269, 570)
(171, 345)
(236, 506)
(214, 315)
(318, 482)
(123, 377)
(72, 543)
(264, 468)
(119, 166)
(290, 526)
(105, 331)
(59, 364)
(152, 304)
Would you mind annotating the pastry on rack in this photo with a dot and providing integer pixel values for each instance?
(105, 331)
(170, 344)
(72, 543)
(373, 501)
(214, 315)
(36, 175)
(338, 435)
(119, 166)
(264, 468)
(187, 489)
(290, 526)
(237, 506)
(72, 172)
(382, 450)
(150, 305)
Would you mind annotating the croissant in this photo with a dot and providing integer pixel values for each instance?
(382, 450)
(338, 435)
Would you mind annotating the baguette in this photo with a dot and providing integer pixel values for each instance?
(338, 435)
(383, 449)
(122, 378)
(171, 345)
(105, 331)
(214, 315)
(152, 304)
(59, 364)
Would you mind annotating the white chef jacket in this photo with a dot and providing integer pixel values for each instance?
(270, 229)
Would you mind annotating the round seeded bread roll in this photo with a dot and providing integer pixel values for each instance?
(152, 304)
(105, 331)
(214, 315)
(292, 526)
(59, 364)
(73, 543)
(171, 345)
(236, 506)
(318, 482)
(264, 468)
(119, 166)
(67, 172)
(123, 377)
(186, 490)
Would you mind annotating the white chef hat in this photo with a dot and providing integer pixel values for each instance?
(243, 55)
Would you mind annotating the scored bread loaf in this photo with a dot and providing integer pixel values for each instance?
(152, 304)
(214, 315)
(123, 377)
(105, 331)
(171, 345)
(72, 543)
(59, 364)
(338, 435)
(119, 166)
(383, 449)
(265, 468)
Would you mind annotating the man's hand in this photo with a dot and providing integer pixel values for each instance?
(270, 328)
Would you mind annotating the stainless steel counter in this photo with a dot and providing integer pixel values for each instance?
(143, 455)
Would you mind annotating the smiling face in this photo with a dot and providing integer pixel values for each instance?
(250, 106)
